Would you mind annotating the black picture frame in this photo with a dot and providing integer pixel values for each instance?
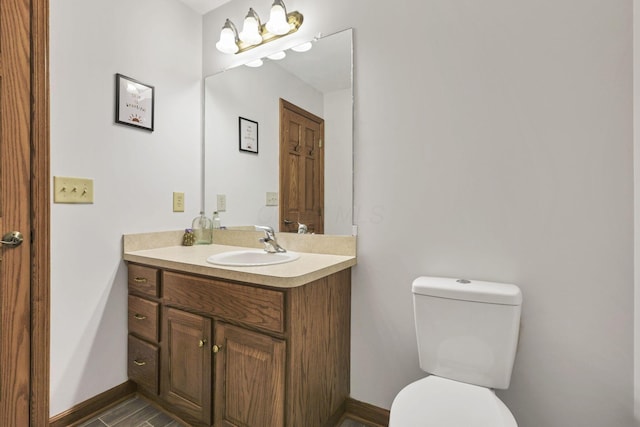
(248, 135)
(134, 103)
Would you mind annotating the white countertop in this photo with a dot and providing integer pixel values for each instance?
(193, 259)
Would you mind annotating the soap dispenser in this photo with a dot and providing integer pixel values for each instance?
(216, 221)
(202, 228)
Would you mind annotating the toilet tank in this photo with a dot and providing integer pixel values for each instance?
(467, 330)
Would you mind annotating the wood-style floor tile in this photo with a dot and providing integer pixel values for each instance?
(137, 412)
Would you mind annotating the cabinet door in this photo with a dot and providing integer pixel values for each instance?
(249, 380)
(186, 364)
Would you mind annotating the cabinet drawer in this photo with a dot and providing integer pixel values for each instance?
(263, 308)
(142, 364)
(144, 280)
(143, 318)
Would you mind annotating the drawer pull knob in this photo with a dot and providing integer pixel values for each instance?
(139, 363)
(139, 316)
(216, 348)
(202, 342)
(140, 279)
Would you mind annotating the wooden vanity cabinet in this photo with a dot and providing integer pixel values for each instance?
(237, 354)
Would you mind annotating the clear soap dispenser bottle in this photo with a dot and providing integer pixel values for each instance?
(216, 220)
(202, 228)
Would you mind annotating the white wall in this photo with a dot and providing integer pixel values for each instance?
(135, 171)
(498, 148)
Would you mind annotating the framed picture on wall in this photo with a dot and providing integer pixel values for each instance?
(134, 103)
(248, 130)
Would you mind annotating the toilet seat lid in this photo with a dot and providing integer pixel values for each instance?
(435, 402)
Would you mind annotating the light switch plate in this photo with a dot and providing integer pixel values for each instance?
(72, 190)
(272, 198)
(178, 201)
(221, 200)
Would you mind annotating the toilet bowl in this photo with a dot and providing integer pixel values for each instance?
(440, 402)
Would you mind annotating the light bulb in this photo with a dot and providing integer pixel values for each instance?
(278, 23)
(250, 33)
(228, 39)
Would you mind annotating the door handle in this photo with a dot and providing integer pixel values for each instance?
(14, 239)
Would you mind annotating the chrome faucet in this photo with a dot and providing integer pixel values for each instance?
(302, 228)
(270, 243)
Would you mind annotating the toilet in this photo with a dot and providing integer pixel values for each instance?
(467, 333)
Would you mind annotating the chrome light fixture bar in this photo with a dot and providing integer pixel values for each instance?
(254, 33)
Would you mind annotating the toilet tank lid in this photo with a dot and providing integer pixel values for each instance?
(468, 290)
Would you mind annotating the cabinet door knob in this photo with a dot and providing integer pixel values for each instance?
(216, 348)
(202, 342)
(140, 280)
(139, 363)
(139, 316)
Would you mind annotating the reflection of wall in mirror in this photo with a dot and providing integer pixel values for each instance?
(338, 175)
(244, 178)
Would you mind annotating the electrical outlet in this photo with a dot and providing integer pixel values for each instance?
(178, 201)
(221, 202)
(272, 198)
(72, 190)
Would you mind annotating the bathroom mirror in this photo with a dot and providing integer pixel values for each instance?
(242, 133)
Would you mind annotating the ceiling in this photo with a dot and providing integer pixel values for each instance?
(204, 6)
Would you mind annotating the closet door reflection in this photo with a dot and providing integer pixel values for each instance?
(301, 169)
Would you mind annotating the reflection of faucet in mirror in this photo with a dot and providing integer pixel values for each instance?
(302, 228)
(270, 243)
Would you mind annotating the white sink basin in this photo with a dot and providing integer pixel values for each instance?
(251, 258)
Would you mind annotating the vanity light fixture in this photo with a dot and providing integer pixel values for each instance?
(254, 33)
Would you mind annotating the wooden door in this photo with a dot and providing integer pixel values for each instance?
(15, 208)
(186, 364)
(249, 380)
(301, 169)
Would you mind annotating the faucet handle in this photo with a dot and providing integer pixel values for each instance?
(264, 228)
(268, 231)
(269, 240)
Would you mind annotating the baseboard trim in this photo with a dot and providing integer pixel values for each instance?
(366, 413)
(94, 405)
